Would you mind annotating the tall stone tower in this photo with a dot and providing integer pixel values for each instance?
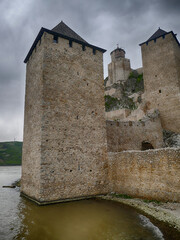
(119, 68)
(64, 148)
(161, 67)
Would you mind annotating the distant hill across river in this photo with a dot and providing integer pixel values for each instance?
(10, 153)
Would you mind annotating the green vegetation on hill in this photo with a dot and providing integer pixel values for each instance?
(112, 103)
(10, 153)
(134, 84)
(123, 92)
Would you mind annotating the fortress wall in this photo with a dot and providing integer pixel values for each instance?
(152, 174)
(73, 144)
(130, 135)
(117, 114)
(162, 79)
(30, 183)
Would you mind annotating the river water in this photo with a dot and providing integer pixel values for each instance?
(21, 219)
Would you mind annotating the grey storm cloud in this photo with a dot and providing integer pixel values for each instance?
(100, 22)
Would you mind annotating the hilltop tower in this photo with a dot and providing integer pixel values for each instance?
(64, 148)
(161, 67)
(119, 68)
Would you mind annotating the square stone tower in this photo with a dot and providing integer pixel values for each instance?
(161, 67)
(64, 148)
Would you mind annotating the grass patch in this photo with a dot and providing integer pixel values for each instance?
(124, 196)
(151, 201)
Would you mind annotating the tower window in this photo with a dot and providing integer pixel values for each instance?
(159, 91)
(70, 43)
(94, 51)
(55, 39)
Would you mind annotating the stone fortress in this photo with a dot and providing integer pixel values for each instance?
(154, 93)
(71, 149)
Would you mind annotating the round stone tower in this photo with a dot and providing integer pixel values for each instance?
(117, 53)
(119, 68)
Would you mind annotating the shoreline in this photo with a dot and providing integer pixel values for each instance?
(10, 165)
(168, 213)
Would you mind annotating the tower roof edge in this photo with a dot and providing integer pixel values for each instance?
(160, 33)
(42, 30)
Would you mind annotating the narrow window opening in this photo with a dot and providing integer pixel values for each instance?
(87, 84)
(83, 47)
(159, 91)
(146, 43)
(94, 51)
(130, 123)
(70, 170)
(77, 117)
(70, 43)
(146, 145)
(55, 39)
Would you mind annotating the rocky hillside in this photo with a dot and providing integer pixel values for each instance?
(10, 153)
(118, 95)
(171, 139)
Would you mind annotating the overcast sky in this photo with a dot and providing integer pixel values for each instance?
(103, 23)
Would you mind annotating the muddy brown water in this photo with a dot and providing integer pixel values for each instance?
(79, 220)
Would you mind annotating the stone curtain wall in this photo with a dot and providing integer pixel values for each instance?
(161, 67)
(153, 174)
(130, 135)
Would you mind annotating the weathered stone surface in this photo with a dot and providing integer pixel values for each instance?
(152, 174)
(171, 139)
(130, 135)
(65, 150)
(119, 68)
(161, 67)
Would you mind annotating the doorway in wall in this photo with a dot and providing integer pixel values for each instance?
(146, 145)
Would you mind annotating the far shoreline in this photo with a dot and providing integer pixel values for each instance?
(11, 165)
